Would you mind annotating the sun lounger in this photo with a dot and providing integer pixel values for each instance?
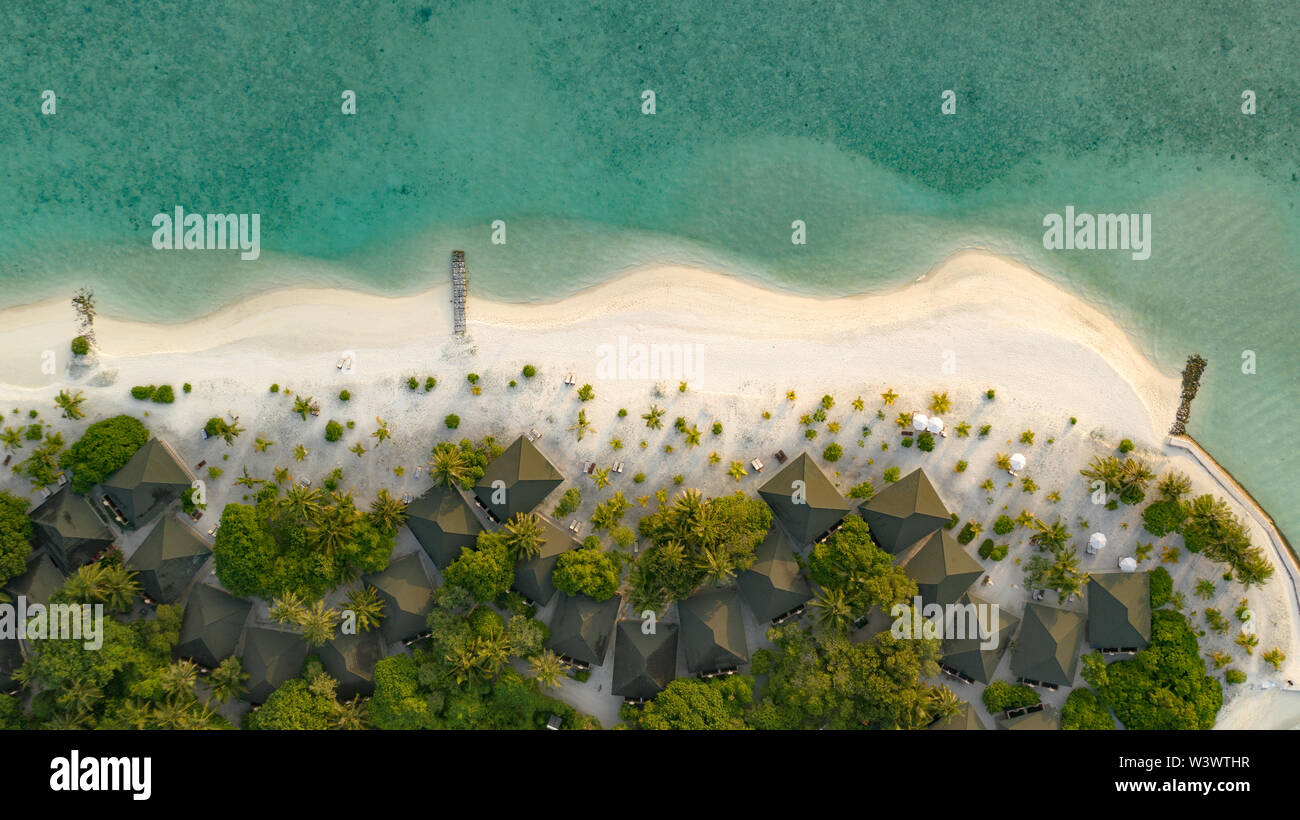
(306, 482)
(589, 467)
(575, 525)
(757, 465)
(780, 456)
(570, 379)
(533, 434)
(214, 529)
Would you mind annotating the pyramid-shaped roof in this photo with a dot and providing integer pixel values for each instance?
(527, 475)
(444, 523)
(350, 660)
(713, 630)
(168, 559)
(966, 719)
(967, 655)
(70, 530)
(774, 584)
(583, 627)
(1046, 719)
(41, 580)
(905, 512)
(533, 575)
(942, 569)
(152, 479)
(271, 657)
(407, 592)
(644, 664)
(1049, 644)
(211, 626)
(1119, 610)
(804, 499)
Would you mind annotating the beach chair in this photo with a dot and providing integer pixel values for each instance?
(618, 466)
(201, 464)
(757, 465)
(574, 526)
(214, 529)
(589, 467)
(780, 456)
(306, 482)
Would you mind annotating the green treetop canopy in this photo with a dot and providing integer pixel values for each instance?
(1049, 644)
(966, 654)
(71, 532)
(774, 585)
(582, 627)
(644, 664)
(271, 657)
(526, 477)
(905, 512)
(1119, 610)
(407, 593)
(713, 631)
(533, 575)
(444, 523)
(212, 625)
(942, 569)
(168, 559)
(804, 499)
(152, 479)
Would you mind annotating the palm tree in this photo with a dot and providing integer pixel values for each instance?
(86, 584)
(332, 531)
(179, 677)
(833, 609)
(1174, 485)
(302, 503)
(230, 432)
(287, 608)
(1135, 475)
(708, 529)
(1107, 470)
(717, 565)
(654, 419)
(547, 668)
(318, 623)
(1049, 537)
(12, 439)
(1064, 575)
(737, 470)
(388, 512)
(524, 535)
(940, 404)
(449, 465)
(302, 406)
(359, 449)
(942, 703)
(582, 426)
(227, 680)
(366, 607)
(686, 507)
(692, 436)
(282, 476)
(381, 434)
(889, 397)
(300, 453)
(249, 481)
(120, 588)
(351, 715)
(601, 477)
(70, 404)
(261, 444)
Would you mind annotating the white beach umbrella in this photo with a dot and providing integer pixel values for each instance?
(1128, 563)
(919, 421)
(934, 425)
(1017, 462)
(1096, 542)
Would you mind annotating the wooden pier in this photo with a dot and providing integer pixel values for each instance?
(459, 290)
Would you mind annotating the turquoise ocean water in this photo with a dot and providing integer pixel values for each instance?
(766, 112)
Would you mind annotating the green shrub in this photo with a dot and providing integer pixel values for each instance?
(925, 442)
(344, 395)
(103, 450)
(333, 431)
(907, 442)
(891, 475)
(1163, 517)
(989, 395)
(80, 346)
(586, 393)
(832, 452)
(1082, 711)
(1126, 446)
(412, 383)
(865, 489)
(622, 412)
(639, 478)
(472, 378)
(529, 371)
(1161, 586)
(991, 551)
(431, 383)
(717, 428)
(164, 395)
(186, 387)
(143, 392)
(1234, 676)
(568, 502)
(967, 534)
(1003, 525)
(999, 696)
(275, 388)
(452, 421)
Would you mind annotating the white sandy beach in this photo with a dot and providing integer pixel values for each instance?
(976, 322)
